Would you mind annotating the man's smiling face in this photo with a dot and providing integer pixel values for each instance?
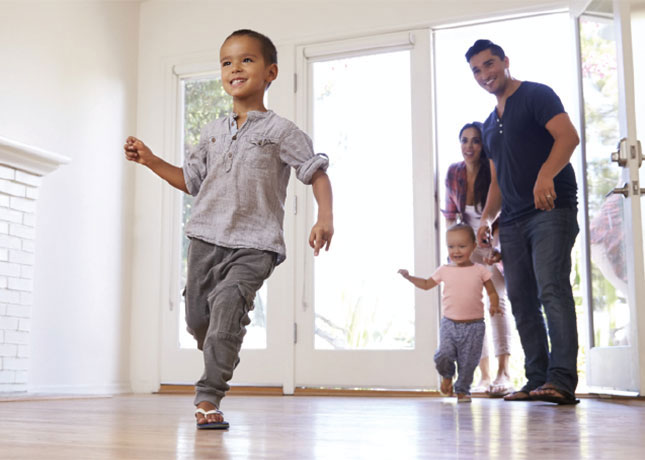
(490, 71)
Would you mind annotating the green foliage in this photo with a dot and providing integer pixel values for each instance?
(204, 101)
(363, 326)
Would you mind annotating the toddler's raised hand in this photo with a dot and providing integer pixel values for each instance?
(404, 273)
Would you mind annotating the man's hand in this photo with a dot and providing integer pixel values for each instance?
(544, 193)
(484, 236)
(565, 140)
(320, 236)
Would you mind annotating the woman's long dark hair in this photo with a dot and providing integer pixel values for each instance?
(482, 181)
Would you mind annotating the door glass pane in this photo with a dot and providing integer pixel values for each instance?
(610, 308)
(204, 100)
(362, 119)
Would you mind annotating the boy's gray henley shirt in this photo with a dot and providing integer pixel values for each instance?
(239, 179)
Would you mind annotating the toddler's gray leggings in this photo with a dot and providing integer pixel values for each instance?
(461, 343)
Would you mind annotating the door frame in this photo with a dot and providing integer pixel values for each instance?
(621, 368)
(315, 367)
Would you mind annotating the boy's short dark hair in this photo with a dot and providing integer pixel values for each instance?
(481, 45)
(269, 52)
(462, 226)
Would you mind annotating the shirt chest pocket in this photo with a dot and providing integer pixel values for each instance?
(261, 152)
(216, 146)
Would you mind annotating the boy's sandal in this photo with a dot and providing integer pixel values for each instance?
(223, 425)
(446, 387)
(564, 397)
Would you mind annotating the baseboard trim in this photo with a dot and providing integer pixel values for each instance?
(247, 390)
(250, 390)
(366, 392)
(237, 390)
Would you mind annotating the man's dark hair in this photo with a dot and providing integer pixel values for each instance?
(481, 45)
(269, 53)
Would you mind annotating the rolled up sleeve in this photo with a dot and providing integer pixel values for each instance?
(194, 167)
(296, 150)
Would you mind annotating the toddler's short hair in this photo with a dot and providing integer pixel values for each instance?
(269, 52)
(461, 226)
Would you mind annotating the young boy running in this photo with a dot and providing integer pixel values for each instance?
(461, 333)
(238, 174)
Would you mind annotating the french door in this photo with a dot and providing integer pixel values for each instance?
(367, 103)
(200, 99)
(612, 54)
(346, 318)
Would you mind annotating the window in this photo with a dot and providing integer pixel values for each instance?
(204, 100)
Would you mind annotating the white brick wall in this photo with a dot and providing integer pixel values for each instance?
(18, 194)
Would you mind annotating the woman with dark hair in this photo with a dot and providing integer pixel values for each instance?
(467, 185)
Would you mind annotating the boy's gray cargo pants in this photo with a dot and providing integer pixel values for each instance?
(220, 290)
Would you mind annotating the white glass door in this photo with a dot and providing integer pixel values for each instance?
(201, 99)
(359, 323)
(611, 88)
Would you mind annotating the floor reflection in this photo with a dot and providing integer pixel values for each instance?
(162, 427)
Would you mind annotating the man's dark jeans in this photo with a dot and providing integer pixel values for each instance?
(536, 251)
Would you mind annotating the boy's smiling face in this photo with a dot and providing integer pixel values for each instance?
(245, 73)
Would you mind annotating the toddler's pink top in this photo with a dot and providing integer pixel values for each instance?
(462, 291)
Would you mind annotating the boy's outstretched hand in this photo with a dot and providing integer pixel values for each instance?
(137, 151)
(320, 235)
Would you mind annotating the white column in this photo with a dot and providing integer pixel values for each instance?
(21, 170)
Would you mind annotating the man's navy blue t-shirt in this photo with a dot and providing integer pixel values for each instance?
(518, 143)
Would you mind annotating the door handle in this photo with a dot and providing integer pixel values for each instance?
(620, 156)
(624, 191)
(626, 152)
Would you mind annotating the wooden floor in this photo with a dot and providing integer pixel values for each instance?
(309, 427)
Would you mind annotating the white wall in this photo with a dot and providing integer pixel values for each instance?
(68, 73)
